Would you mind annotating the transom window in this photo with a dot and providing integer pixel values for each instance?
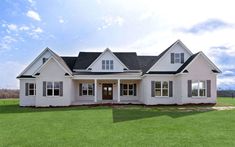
(199, 88)
(87, 89)
(107, 64)
(161, 88)
(53, 88)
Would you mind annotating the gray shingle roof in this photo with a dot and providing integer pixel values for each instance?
(129, 59)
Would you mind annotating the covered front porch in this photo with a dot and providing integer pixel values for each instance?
(107, 91)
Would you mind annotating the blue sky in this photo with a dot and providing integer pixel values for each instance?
(145, 26)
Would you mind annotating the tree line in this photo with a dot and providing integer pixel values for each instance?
(9, 93)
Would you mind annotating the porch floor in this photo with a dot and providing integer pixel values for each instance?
(89, 102)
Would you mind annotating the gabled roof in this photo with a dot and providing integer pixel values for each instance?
(85, 59)
(166, 50)
(58, 58)
(70, 61)
(214, 69)
(109, 51)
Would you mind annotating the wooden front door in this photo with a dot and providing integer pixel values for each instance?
(107, 91)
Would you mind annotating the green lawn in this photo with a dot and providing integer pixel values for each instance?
(116, 126)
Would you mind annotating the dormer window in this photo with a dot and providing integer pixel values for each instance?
(44, 60)
(177, 58)
(107, 64)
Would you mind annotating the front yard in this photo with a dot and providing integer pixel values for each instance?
(117, 125)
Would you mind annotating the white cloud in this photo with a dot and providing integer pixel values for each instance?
(6, 42)
(38, 30)
(24, 28)
(12, 27)
(34, 15)
(109, 21)
(61, 20)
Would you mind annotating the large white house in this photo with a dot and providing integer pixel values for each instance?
(176, 76)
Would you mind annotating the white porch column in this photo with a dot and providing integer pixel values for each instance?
(95, 96)
(118, 85)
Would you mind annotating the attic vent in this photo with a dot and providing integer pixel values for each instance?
(124, 69)
(44, 60)
(37, 74)
(89, 68)
(215, 71)
(66, 74)
(185, 71)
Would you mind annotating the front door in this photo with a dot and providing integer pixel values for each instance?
(107, 91)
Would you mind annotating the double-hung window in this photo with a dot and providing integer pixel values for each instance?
(177, 58)
(107, 65)
(87, 89)
(128, 89)
(30, 89)
(54, 88)
(199, 88)
(161, 88)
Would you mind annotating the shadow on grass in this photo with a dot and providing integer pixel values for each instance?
(119, 113)
(128, 114)
(15, 108)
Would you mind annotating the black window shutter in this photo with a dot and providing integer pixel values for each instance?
(153, 88)
(170, 88)
(172, 57)
(121, 89)
(61, 88)
(134, 89)
(208, 82)
(44, 88)
(26, 89)
(93, 89)
(80, 89)
(189, 88)
(182, 57)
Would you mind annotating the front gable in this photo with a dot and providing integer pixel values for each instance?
(105, 60)
(201, 65)
(165, 61)
(37, 63)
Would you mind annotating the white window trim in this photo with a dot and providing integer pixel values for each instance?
(161, 88)
(107, 65)
(87, 89)
(129, 89)
(52, 89)
(34, 89)
(198, 90)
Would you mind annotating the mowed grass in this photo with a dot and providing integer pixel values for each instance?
(115, 126)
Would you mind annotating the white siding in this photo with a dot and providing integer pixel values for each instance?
(198, 70)
(26, 100)
(37, 63)
(53, 72)
(148, 99)
(164, 64)
(117, 66)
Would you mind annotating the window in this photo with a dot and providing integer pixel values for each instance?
(199, 88)
(161, 88)
(177, 58)
(128, 89)
(53, 88)
(107, 65)
(87, 89)
(30, 89)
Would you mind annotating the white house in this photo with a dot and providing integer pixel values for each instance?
(176, 76)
